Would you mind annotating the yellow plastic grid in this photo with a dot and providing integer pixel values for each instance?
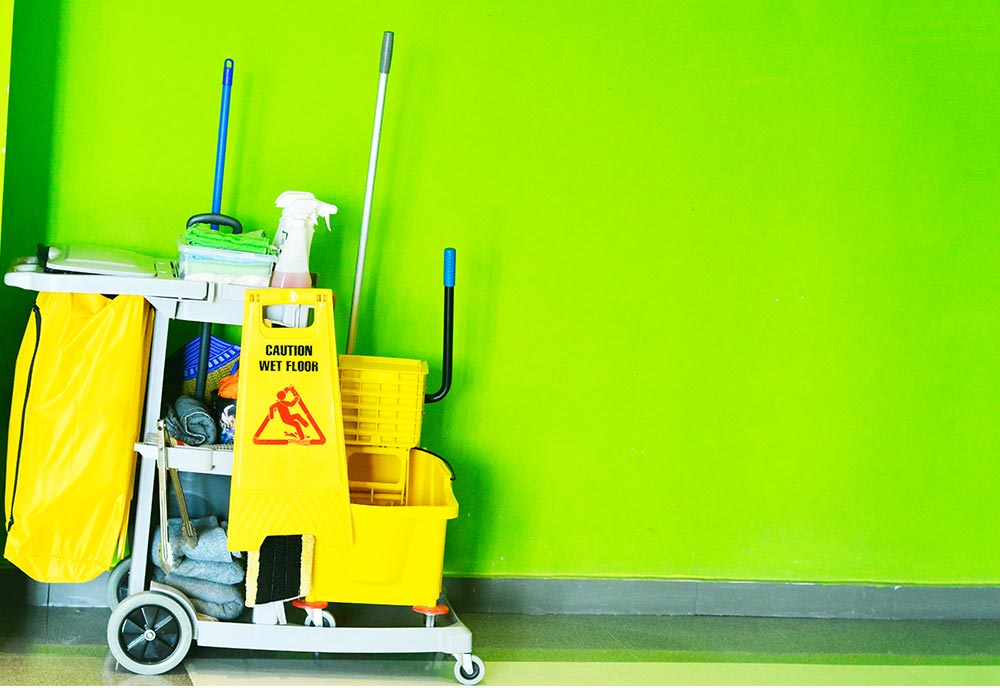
(383, 400)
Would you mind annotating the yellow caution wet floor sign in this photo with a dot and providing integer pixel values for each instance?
(289, 462)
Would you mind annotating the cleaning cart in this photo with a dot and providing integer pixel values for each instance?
(326, 460)
(385, 504)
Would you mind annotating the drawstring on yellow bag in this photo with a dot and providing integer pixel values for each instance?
(79, 385)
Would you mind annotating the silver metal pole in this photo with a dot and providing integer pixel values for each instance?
(386, 59)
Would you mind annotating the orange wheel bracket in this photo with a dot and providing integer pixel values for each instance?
(302, 604)
(436, 610)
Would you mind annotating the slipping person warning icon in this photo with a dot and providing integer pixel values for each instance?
(287, 398)
(288, 421)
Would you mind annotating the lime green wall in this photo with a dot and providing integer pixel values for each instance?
(6, 29)
(27, 152)
(728, 272)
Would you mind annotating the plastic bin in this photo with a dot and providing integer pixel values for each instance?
(220, 265)
(383, 400)
(398, 552)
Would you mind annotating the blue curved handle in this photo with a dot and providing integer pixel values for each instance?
(449, 267)
(449, 328)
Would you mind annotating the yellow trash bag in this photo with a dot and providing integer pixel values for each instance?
(79, 384)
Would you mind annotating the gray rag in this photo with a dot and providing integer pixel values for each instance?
(222, 612)
(189, 421)
(224, 602)
(212, 546)
(211, 549)
(209, 561)
(213, 580)
(212, 571)
(212, 541)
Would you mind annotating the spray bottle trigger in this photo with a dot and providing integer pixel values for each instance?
(326, 210)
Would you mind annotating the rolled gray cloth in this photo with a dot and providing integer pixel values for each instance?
(214, 571)
(212, 546)
(224, 602)
(222, 612)
(189, 421)
(211, 549)
(209, 560)
(212, 541)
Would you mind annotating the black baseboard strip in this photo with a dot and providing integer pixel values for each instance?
(632, 597)
(715, 598)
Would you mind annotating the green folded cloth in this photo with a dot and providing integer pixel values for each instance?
(206, 237)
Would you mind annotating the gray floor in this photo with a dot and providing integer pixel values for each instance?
(66, 646)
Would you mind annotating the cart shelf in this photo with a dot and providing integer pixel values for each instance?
(207, 460)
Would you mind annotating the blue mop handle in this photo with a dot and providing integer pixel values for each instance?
(220, 162)
(220, 152)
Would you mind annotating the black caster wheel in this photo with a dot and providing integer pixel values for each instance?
(149, 633)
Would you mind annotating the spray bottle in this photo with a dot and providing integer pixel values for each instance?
(300, 213)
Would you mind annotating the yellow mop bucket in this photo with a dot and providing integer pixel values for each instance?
(401, 498)
(397, 555)
(289, 461)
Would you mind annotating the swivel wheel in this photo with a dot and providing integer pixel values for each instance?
(469, 670)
